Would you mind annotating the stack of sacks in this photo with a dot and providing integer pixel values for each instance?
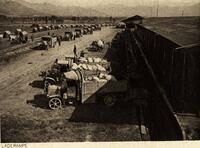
(90, 60)
(103, 80)
(110, 78)
(80, 66)
(94, 67)
(107, 77)
(83, 60)
(104, 61)
(95, 78)
(90, 78)
(100, 43)
(90, 67)
(84, 67)
(100, 68)
(102, 76)
(97, 60)
(74, 66)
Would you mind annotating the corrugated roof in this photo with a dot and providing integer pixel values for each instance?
(182, 30)
(133, 18)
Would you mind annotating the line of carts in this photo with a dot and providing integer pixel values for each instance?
(17, 37)
(50, 41)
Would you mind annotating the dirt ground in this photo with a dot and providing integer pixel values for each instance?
(26, 118)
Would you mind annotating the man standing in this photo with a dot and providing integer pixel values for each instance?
(59, 40)
(75, 54)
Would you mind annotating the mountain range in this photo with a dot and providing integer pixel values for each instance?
(23, 8)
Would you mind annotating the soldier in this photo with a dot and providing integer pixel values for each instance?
(75, 54)
(59, 40)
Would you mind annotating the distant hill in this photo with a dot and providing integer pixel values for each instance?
(16, 9)
(122, 10)
(21, 7)
(62, 11)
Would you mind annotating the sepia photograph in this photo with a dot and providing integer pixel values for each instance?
(76, 71)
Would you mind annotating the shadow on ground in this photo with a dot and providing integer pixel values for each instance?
(40, 100)
(123, 113)
(37, 84)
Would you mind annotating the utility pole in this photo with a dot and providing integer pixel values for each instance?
(157, 9)
(182, 12)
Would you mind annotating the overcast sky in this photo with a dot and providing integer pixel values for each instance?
(86, 3)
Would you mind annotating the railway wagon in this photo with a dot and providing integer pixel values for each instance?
(175, 65)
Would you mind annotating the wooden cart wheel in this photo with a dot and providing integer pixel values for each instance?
(55, 103)
(109, 100)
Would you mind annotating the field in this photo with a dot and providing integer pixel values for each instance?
(13, 27)
(24, 113)
(25, 116)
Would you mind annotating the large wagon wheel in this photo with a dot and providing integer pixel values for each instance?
(109, 100)
(55, 103)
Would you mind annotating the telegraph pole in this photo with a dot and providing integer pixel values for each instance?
(157, 9)
(182, 12)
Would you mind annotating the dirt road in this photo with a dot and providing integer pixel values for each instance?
(24, 113)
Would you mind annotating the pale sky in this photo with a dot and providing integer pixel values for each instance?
(85, 3)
